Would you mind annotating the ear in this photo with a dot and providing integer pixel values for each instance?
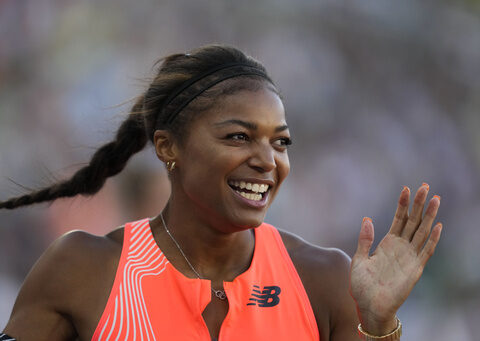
(165, 145)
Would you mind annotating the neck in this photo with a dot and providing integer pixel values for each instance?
(215, 255)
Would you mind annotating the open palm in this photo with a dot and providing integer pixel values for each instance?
(381, 282)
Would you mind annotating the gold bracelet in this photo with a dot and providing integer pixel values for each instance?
(395, 335)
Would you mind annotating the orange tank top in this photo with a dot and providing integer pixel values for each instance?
(151, 300)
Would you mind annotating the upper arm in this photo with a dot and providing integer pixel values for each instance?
(325, 276)
(344, 319)
(43, 308)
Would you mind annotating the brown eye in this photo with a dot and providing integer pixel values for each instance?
(283, 142)
(238, 137)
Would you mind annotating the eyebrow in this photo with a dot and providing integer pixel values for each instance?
(248, 125)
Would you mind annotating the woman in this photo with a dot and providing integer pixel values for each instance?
(208, 267)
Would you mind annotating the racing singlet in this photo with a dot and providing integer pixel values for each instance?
(151, 300)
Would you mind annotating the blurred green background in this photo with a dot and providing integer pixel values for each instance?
(379, 94)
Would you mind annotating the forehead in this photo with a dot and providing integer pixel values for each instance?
(262, 107)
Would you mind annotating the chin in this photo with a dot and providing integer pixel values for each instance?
(245, 223)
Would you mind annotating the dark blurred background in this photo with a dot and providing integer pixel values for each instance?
(379, 94)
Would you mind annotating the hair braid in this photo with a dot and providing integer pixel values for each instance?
(107, 161)
(146, 116)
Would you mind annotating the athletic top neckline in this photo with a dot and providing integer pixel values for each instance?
(206, 280)
(151, 300)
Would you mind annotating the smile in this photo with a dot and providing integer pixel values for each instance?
(249, 190)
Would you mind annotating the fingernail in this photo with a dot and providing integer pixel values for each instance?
(366, 218)
(426, 185)
(437, 196)
(408, 189)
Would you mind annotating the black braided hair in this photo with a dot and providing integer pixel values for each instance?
(145, 118)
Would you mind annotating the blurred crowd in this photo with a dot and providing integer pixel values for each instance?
(379, 94)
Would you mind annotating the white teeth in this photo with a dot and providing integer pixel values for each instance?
(261, 188)
(254, 187)
(250, 196)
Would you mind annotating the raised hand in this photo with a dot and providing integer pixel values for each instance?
(381, 282)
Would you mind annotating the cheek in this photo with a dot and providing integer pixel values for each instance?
(205, 169)
(283, 166)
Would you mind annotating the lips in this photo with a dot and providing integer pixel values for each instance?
(254, 193)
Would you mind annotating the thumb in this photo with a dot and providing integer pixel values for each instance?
(365, 239)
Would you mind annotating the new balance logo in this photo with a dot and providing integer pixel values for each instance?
(268, 297)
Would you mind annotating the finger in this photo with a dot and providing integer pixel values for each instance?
(415, 216)
(401, 214)
(365, 239)
(423, 231)
(432, 242)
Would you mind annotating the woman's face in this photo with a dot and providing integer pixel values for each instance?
(234, 159)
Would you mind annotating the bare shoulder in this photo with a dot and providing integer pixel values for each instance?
(76, 242)
(74, 256)
(320, 261)
(80, 253)
(324, 273)
(72, 276)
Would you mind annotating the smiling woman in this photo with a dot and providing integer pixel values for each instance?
(244, 140)
(208, 266)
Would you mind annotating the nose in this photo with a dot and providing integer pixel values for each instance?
(263, 158)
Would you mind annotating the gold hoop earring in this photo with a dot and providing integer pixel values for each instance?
(170, 166)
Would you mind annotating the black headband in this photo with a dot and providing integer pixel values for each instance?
(228, 70)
